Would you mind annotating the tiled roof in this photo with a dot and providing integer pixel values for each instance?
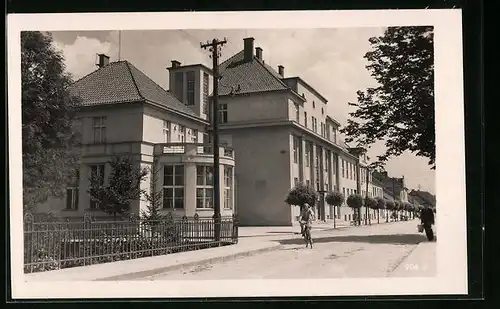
(424, 196)
(121, 82)
(244, 77)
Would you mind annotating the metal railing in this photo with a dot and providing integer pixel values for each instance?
(50, 244)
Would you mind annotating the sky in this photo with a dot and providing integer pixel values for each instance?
(331, 60)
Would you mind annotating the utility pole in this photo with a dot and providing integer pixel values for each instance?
(367, 212)
(214, 47)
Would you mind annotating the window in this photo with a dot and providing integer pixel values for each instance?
(179, 86)
(325, 164)
(334, 135)
(308, 155)
(295, 181)
(99, 129)
(205, 93)
(194, 136)
(314, 104)
(97, 171)
(305, 119)
(297, 113)
(190, 87)
(204, 186)
(322, 129)
(343, 191)
(181, 134)
(308, 182)
(167, 136)
(322, 111)
(72, 198)
(228, 187)
(314, 124)
(222, 113)
(72, 192)
(343, 168)
(173, 186)
(295, 149)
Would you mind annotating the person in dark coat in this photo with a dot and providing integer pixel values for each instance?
(427, 220)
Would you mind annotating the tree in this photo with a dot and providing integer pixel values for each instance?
(124, 186)
(302, 194)
(152, 216)
(48, 117)
(397, 208)
(355, 201)
(380, 205)
(401, 109)
(336, 199)
(371, 203)
(389, 205)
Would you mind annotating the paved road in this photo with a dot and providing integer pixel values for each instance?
(373, 251)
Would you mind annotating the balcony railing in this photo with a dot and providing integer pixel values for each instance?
(192, 148)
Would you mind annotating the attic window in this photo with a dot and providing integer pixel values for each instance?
(303, 95)
(314, 104)
(322, 111)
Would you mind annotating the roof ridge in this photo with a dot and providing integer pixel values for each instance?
(128, 64)
(155, 83)
(91, 73)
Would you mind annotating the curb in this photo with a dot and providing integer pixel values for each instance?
(156, 271)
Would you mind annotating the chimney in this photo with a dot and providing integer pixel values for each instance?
(258, 53)
(281, 70)
(175, 64)
(248, 49)
(103, 60)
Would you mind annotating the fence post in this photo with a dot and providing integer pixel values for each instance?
(235, 229)
(217, 226)
(28, 241)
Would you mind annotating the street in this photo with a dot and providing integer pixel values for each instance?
(373, 251)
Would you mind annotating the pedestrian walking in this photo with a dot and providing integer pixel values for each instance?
(427, 220)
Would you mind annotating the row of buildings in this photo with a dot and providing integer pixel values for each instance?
(275, 131)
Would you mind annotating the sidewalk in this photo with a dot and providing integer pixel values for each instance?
(252, 241)
(421, 262)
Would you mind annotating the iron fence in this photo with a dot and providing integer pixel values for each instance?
(50, 244)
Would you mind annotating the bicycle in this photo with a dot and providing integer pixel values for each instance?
(307, 236)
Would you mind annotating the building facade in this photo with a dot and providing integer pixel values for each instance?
(124, 113)
(282, 134)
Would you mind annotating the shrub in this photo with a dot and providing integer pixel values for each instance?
(389, 204)
(371, 203)
(355, 201)
(335, 198)
(302, 194)
(380, 202)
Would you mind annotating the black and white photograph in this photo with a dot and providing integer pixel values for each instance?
(276, 154)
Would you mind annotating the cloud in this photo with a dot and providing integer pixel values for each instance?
(82, 54)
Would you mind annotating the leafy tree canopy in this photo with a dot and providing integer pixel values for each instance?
(401, 109)
(371, 203)
(389, 204)
(335, 198)
(48, 135)
(302, 194)
(380, 202)
(355, 201)
(123, 186)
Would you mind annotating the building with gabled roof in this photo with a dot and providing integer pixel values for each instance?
(125, 113)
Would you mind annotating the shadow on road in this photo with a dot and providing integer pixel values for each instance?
(396, 239)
